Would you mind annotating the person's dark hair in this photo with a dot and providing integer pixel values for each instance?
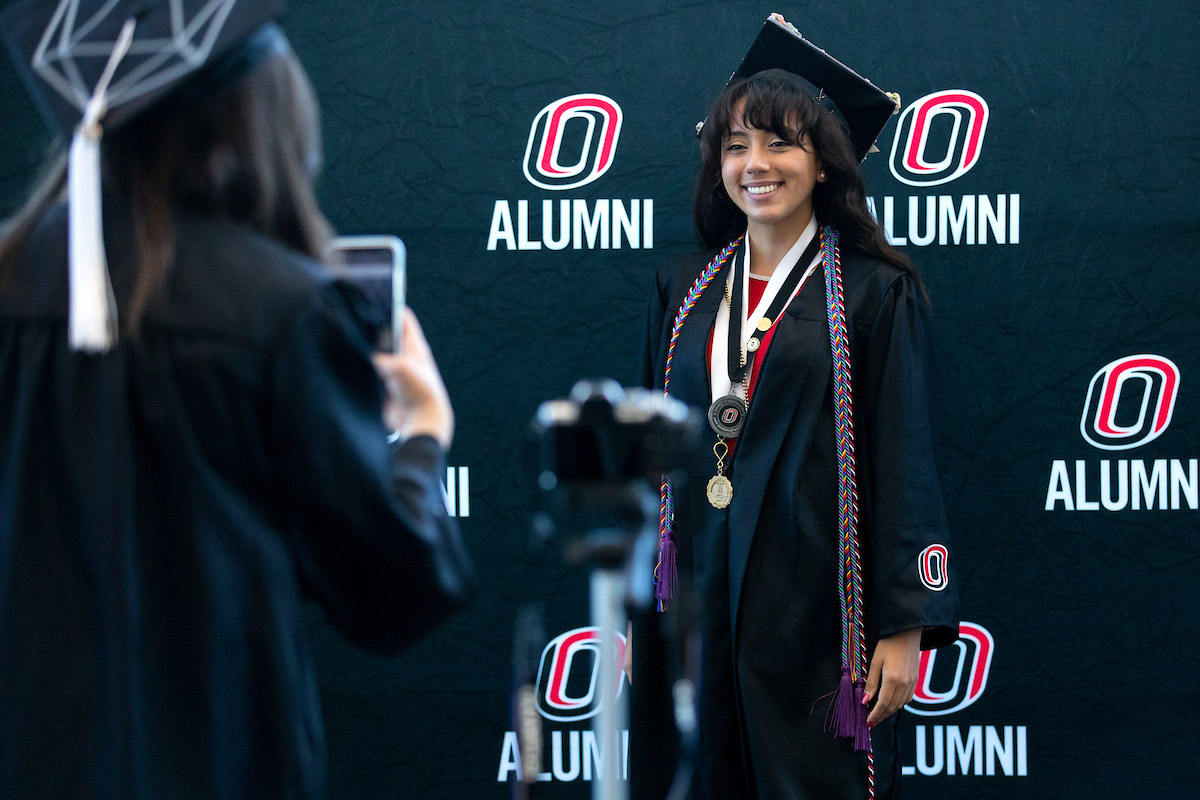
(247, 153)
(776, 104)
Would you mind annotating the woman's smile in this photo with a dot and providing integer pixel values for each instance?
(761, 189)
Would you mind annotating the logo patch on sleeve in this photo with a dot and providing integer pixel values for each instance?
(931, 565)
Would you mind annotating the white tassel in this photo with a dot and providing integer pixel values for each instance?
(92, 308)
(92, 318)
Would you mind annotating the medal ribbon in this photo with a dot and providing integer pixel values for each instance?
(782, 297)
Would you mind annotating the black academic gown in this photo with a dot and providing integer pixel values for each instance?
(765, 568)
(165, 507)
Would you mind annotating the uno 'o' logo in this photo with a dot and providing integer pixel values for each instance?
(1130, 402)
(572, 141)
(931, 565)
(945, 686)
(939, 137)
(569, 684)
(730, 416)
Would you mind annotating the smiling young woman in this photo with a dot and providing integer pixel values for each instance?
(805, 335)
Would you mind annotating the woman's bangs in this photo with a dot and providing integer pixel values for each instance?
(776, 106)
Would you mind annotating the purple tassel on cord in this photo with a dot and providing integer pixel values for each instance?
(843, 706)
(664, 590)
(862, 734)
(849, 715)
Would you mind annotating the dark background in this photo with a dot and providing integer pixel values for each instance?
(1093, 117)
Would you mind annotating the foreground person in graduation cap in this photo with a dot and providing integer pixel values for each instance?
(817, 535)
(171, 488)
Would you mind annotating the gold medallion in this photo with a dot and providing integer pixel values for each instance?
(720, 491)
(764, 324)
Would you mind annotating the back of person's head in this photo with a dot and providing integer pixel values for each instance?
(244, 150)
(247, 153)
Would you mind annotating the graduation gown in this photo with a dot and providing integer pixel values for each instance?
(165, 507)
(765, 568)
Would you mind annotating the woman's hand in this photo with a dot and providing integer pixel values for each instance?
(417, 403)
(896, 662)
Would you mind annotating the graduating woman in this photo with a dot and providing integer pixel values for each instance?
(816, 535)
(176, 480)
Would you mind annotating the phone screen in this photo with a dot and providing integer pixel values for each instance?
(376, 265)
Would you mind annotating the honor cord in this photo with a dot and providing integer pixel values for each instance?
(849, 713)
(665, 570)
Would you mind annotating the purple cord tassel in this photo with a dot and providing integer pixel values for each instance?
(862, 734)
(843, 706)
(668, 575)
(849, 715)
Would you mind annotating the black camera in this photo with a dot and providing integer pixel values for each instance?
(603, 454)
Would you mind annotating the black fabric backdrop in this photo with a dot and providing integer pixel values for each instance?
(1091, 614)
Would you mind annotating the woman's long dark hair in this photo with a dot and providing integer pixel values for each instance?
(776, 104)
(247, 153)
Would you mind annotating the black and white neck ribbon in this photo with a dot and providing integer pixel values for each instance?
(722, 381)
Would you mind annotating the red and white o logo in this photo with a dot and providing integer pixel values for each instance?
(572, 141)
(925, 152)
(943, 687)
(569, 684)
(931, 566)
(1130, 402)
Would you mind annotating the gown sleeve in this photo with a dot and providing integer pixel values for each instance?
(913, 584)
(652, 348)
(370, 533)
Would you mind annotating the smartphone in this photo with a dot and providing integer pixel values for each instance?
(376, 264)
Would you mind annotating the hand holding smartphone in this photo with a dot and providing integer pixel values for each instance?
(376, 264)
(417, 402)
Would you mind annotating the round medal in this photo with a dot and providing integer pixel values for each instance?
(727, 415)
(752, 344)
(720, 491)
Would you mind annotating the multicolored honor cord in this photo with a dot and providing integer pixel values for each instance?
(666, 576)
(849, 715)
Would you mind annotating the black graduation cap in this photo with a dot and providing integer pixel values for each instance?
(93, 65)
(861, 106)
(63, 47)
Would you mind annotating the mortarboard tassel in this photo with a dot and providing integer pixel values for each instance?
(92, 314)
(92, 320)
